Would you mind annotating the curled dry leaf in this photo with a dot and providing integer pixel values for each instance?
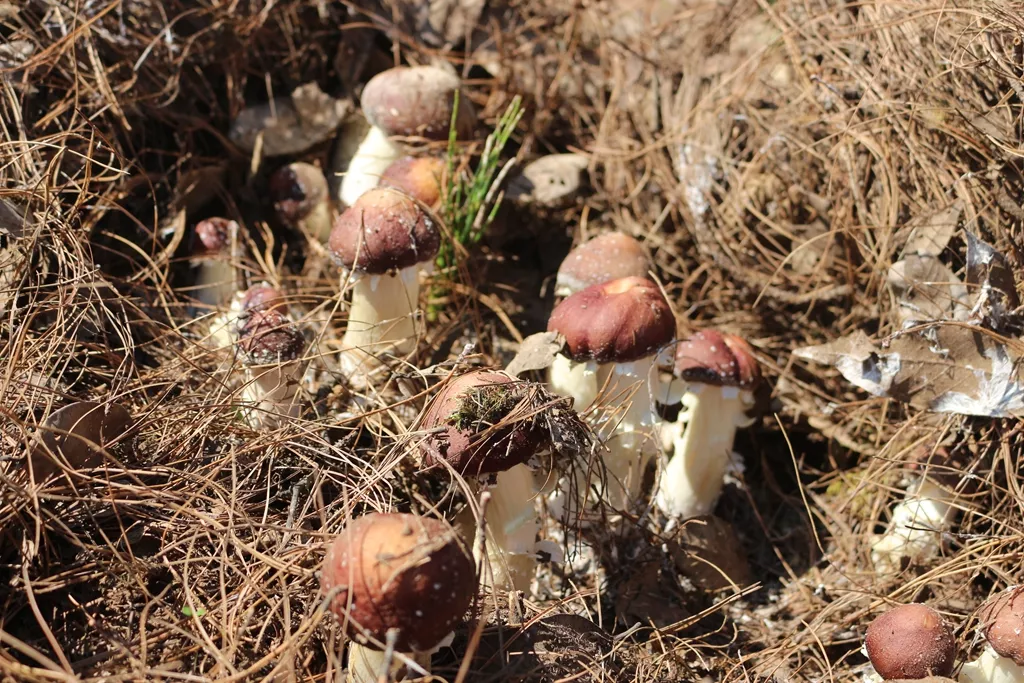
(537, 352)
(549, 181)
(944, 368)
(992, 282)
(927, 290)
(929, 234)
(290, 125)
(78, 433)
(438, 22)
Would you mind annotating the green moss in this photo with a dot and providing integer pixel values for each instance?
(484, 406)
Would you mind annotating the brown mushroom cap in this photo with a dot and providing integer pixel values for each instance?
(386, 230)
(469, 406)
(264, 298)
(610, 256)
(214, 235)
(1002, 618)
(416, 101)
(614, 322)
(910, 641)
(266, 337)
(296, 189)
(710, 357)
(399, 571)
(418, 177)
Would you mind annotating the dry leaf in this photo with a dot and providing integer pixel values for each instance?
(951, 368)
(537, 352)
(550, 180)
(290, 125)
(927, 290)
(993, 284)
(929, 234)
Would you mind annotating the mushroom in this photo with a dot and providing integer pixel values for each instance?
(215, 281)
(910, 642)
(487, 423)
(409, 101)
(610, 256)
(383, 241)
(919, 520)
(418, 177)
(271, 347)
(720, 375)
(400, 579)
(1002, 623)
(613, 332)
(225, 325)
(77, 436)
(301, 199)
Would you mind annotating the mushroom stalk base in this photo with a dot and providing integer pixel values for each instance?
(270, 392)
(366, 665)
(990, 667)
(916, 528)
(381, 318)
(512, 527)
(706, 430)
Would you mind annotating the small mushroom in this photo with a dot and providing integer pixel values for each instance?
(384, 240)
(77, 435)
(613, 332)
(418, 177)
(910, 641)
(720, 374)
(215, 280)
(271, 348)
(398, 574)
(610, 256)
(1002, 623)
(485, 423)
(302, 199)
(407, 101)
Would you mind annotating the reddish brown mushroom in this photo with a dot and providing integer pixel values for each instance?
(271, 347)
(384, 240)
(910, 641)
(610, 256)
(613, 332)
(719, 374)
(418, 177)
(1002, 623)
(215, 280)
(302, 199)
(396, 572)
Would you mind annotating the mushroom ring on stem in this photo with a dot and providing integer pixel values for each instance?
(719, 374)
(407, 101)
(910, 641)
(1002, 623)
(398, 573)
(487, 423)
(383, 241)
(613, 332)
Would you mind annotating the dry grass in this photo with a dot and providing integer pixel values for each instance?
(770, 153)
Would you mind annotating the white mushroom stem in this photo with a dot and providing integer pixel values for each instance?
(577, 381)
(319, 222)
(215, 281)
(364, 154)
(703, 439)
(366, 665)
(382, 313)
(512, 527)
(632, 441)
(991, 667)
(224, 325)
(270, 392)
(915, 531)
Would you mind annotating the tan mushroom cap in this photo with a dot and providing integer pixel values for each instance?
(385, 230)
(469, 407)
(1002, 619)
(620, 321)
(418, 177)
(399, 571)
(416, 101)
(910, 641)
(610, 256)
